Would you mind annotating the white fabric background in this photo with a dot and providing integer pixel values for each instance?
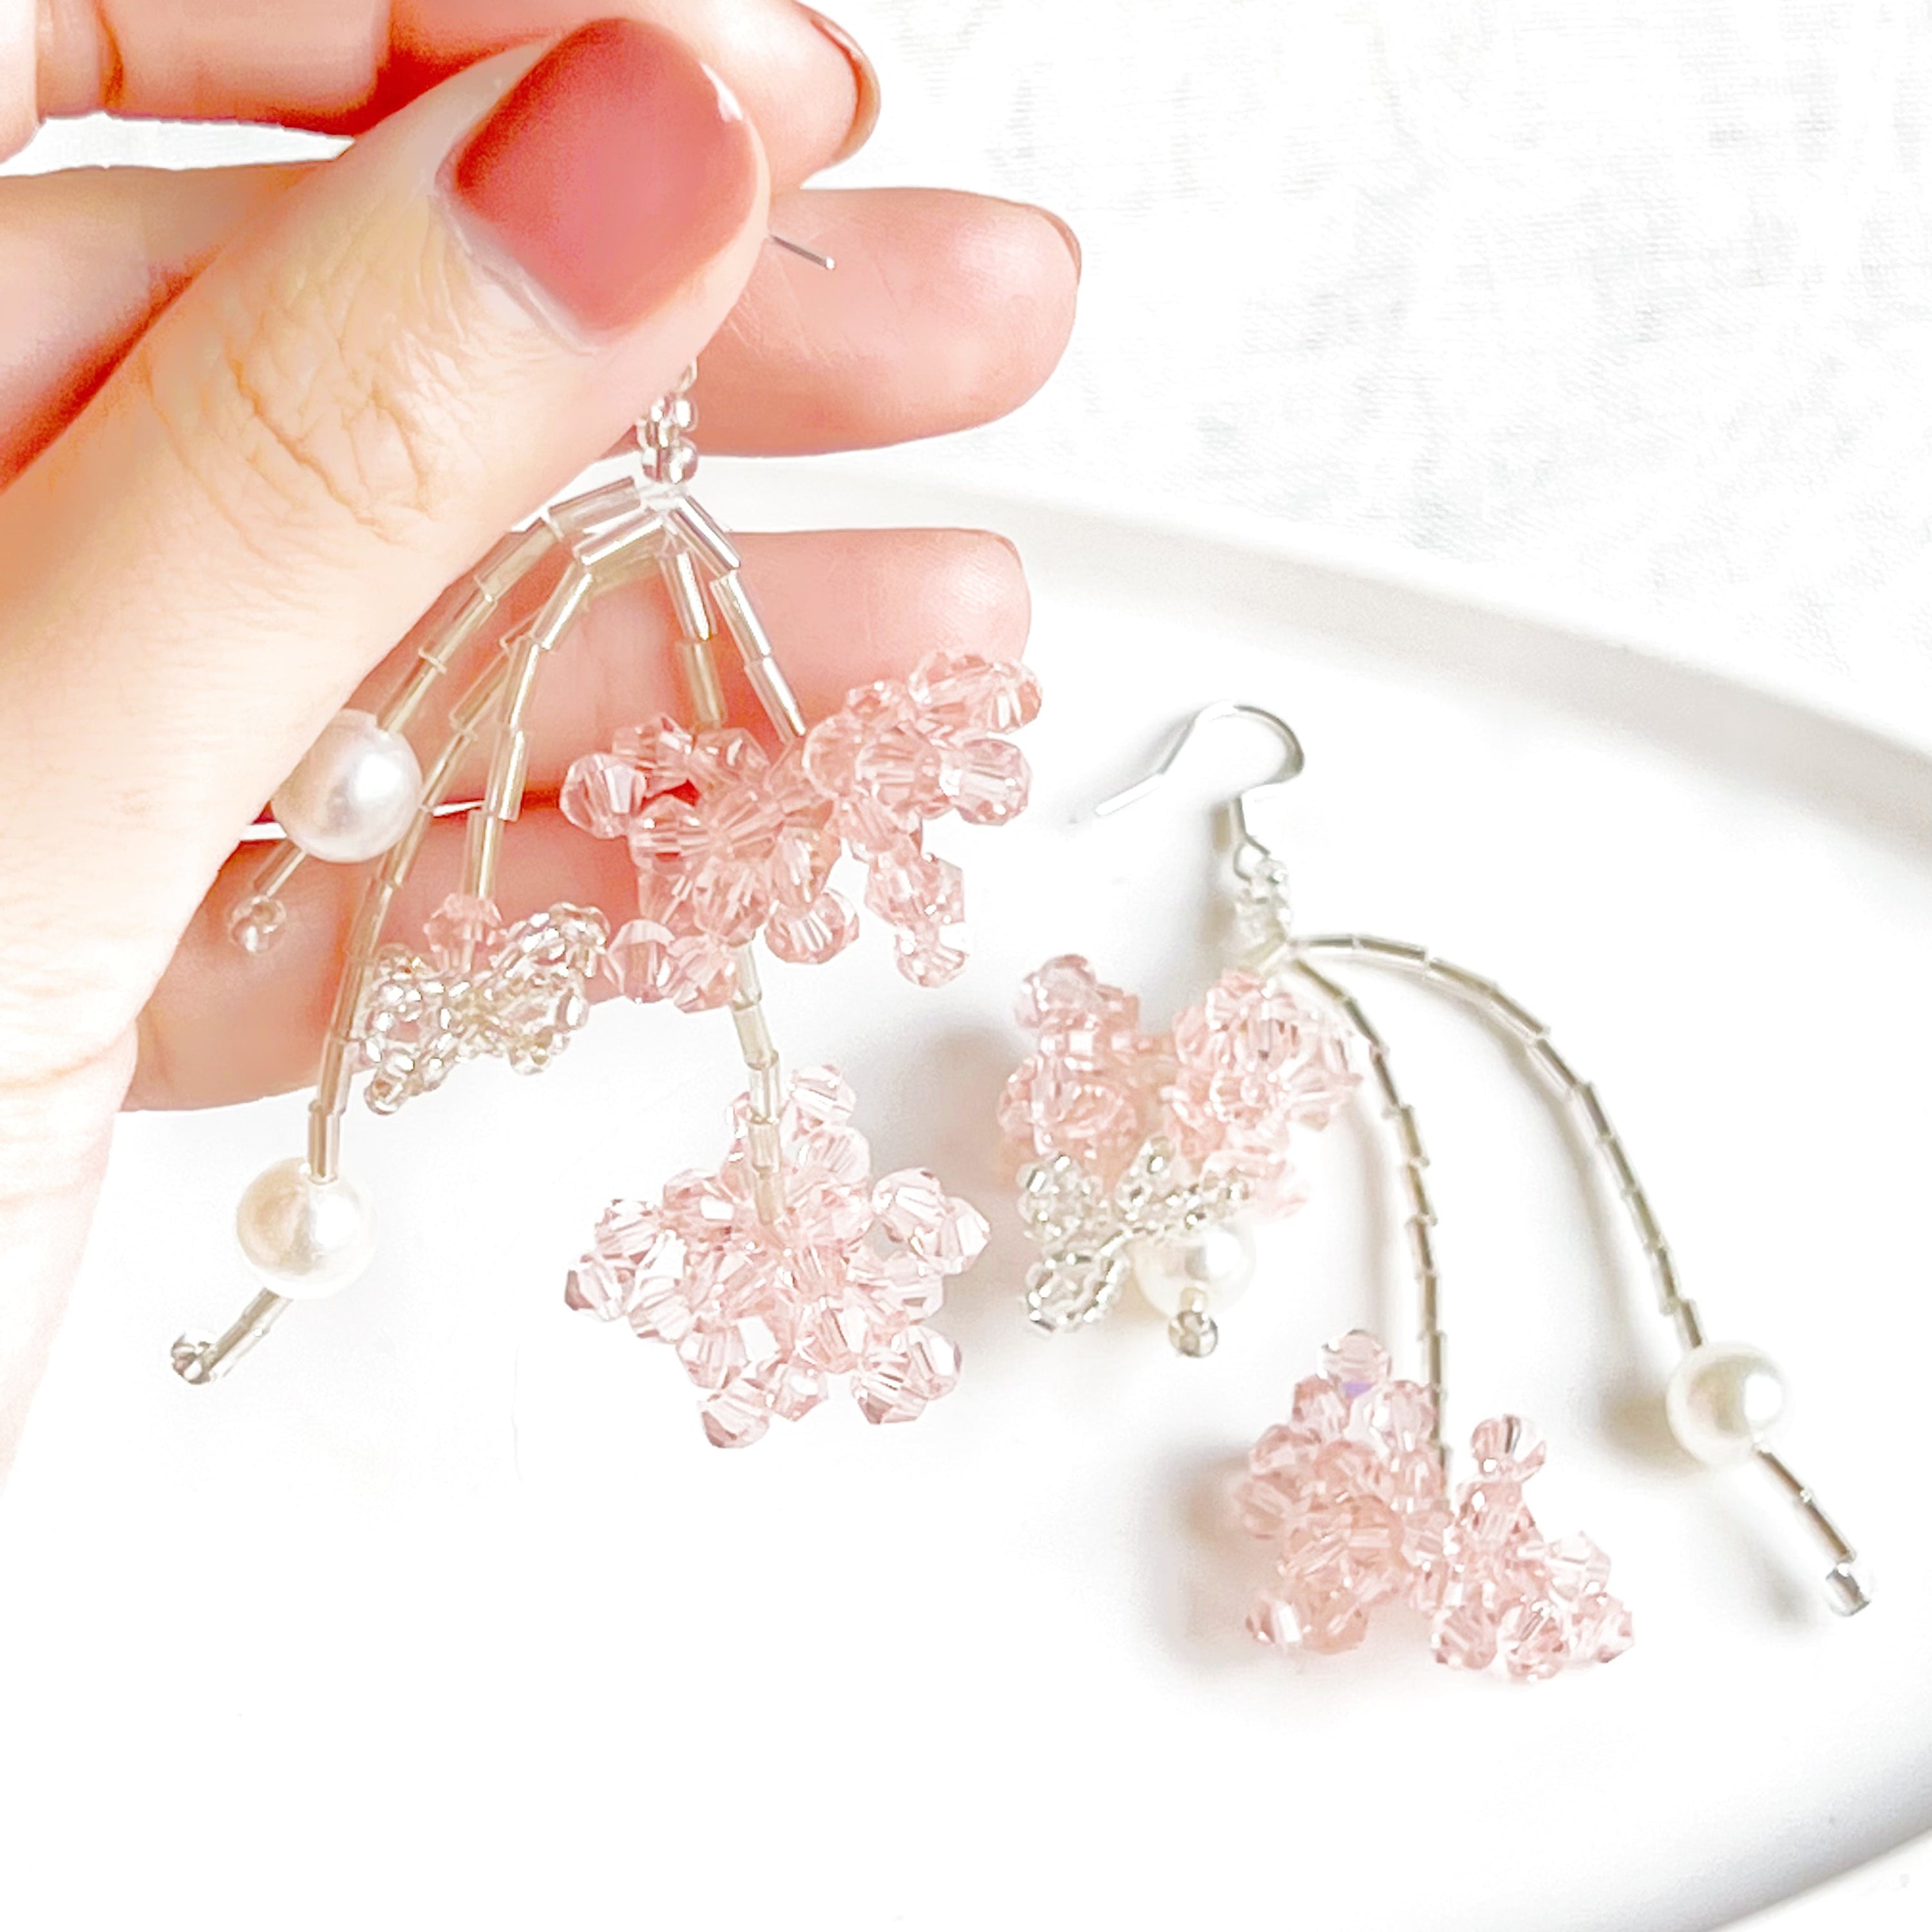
(1620, 311)
(1628, 304)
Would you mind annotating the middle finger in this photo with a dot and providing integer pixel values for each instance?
(945, 310)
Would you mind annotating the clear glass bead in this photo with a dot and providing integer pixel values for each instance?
(257, 923)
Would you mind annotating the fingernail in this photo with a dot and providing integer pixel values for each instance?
(1067, 235)
(865, 80)
(613, 171)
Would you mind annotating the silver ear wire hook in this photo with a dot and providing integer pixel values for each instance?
(1251, 851)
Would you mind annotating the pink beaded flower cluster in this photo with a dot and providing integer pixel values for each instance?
(730, 844)
(1351, 1492)
(842, 1280)
(1252, 1061)
(1136, 1136)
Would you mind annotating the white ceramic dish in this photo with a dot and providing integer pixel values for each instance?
(442, 1612)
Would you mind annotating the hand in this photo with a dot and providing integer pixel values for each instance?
(265, 414)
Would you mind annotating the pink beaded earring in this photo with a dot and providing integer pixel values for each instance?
(1147, 1157)
(1143, 1155)
(790, 1265)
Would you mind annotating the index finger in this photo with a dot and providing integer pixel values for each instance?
(341, 65)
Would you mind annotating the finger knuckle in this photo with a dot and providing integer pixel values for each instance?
(310, 405)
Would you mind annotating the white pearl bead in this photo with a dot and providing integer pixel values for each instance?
(354, 794)
(1722, 1399)
(304, 1237)
(1219, 1259)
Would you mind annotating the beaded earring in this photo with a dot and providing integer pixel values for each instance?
(1148, 1156)
(790, 1264)
(1142, 1155)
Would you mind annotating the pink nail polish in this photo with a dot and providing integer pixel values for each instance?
(612, 171)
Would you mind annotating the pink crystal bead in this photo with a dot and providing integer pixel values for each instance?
(659, 1310)
(962, 693)
(729, 900)
(899, 768)
(668, 831)
(1507, 1447)
(1091, 1090)
(741, 819)
(870, 829)
(843, 1281)
(898, 1378)
(1356, 1363)
(602, 793)
(912, 890)
(818, 1099)
(987, 780)
(1358, 1509)
(639, 960)
(596, 1287)
(927, 959)
(805, 805)
(701, 974)
(462, 927)
(801, 858)
(913, 1208)
(880, 705)
(719, 757)
(832, 748)
(658, 751)
(738, 1412)
(1066, 1001)
(820, 932)
(795, 1389)
(629, 1232)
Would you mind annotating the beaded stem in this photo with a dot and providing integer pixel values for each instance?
(1419, 1223)
(196, 1360)
(331, 1096)
(755, 1044)
(450, 625)
(1843, 1586)
(765, 1087)
(670, 458)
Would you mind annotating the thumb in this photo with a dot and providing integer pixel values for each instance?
(425, 340)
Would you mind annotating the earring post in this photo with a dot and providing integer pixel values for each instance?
(799, 249)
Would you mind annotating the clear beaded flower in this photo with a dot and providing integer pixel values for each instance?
(729, 843)
(845, 1281)
(517, 992)
(1354, 1497)
(1130, 1136)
